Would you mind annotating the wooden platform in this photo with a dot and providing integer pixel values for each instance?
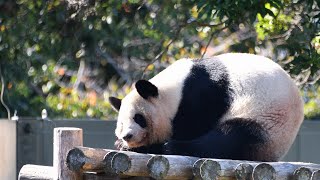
(73, 161)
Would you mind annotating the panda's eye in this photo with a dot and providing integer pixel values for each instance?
(139, 119)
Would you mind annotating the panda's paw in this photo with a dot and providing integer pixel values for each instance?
(174, 147)
(118, 144)
(142, 149)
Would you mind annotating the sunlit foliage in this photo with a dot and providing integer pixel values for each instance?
(69, 56)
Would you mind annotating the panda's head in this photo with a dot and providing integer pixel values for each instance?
(142, 119)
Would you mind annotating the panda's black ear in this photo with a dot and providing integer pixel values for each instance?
(146, 89)
(115, 103)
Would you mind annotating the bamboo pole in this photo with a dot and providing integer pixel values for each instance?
(65, 138)
(171, 167)
(86, 159)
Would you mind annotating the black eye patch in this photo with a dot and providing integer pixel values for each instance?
(139, 119)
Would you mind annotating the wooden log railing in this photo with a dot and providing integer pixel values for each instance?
(73, 161)
(84, 158)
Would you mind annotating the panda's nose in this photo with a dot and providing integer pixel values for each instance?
(127, 137)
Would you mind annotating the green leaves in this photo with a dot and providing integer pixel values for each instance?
(68, 57)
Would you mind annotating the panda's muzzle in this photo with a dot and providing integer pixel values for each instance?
(134, 140)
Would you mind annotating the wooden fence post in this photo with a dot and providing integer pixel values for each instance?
(65, 139)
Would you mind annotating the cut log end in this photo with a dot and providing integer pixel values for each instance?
(210, 169)
(107, 162)
(196, 168)
(120, 162)
(264, 171)
(75, 159)
(302, 173)
(158, 167)
(315, 175)
(243, 171)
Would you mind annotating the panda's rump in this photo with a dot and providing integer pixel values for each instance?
(266, 94)
(260, 90)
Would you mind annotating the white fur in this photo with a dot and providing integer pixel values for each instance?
(266, 93)
(158, 111)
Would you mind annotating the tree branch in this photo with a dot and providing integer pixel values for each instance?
(79, 74)
(205, 50)
(125, 76)
(177, 33)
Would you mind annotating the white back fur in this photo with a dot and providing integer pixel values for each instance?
(263, 91)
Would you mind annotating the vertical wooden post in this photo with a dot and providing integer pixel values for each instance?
(65, 139)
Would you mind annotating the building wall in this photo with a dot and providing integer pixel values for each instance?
(7, 149)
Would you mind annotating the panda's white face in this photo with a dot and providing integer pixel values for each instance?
(141, 119)
(133, 124)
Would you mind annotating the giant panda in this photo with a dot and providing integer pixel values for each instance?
(231, 106)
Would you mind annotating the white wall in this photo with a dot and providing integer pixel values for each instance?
(7, 150)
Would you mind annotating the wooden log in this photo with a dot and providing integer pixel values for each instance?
(279, 170)
(86, 159)
(35, 172)
(312, 173)
(65, 139)
(171, 167)
(130, 163)
(219, 168)
(264, 171)
(302, 173)
(107, 163)
(244, 171)
(99, 176)
(196, 168)
(315, 175)
(95, 176)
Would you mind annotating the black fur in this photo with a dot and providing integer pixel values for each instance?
(139, 119)
(115, 103)
(235, 139)
(151, 149)
(146, 89)
(205, 98)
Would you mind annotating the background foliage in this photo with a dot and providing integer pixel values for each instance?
(68, 56)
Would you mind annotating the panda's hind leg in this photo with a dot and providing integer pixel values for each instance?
(237, 138)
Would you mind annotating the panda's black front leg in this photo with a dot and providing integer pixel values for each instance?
(150, 149)
(235, 139)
